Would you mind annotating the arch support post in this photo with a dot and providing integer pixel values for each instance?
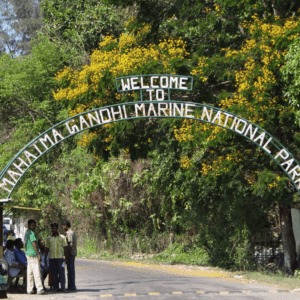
(288, 240)
(3, 294)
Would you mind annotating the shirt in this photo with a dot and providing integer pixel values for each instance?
(11, 259)
(43, 265)
(4, 235)
(71, 238)
(29, 238)
(56, 246)
(20, 256)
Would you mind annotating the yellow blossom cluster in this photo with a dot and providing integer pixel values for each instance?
(188, 128)
(200, 69)
(256, 76)
(252, 179)
(116, 57)
(185, 162)
(218, 165)
(253, 80)
(124, 59)
(86, 138)
(275, 183)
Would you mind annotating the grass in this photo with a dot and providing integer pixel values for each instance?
(279, 280)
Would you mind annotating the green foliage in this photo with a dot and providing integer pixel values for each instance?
(26, 87)
(77, 26)
(291, 75)
(130, 200)
(183, 254)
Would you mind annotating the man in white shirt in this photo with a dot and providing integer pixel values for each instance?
(14, 267)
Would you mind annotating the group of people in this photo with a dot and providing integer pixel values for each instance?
(41, 258)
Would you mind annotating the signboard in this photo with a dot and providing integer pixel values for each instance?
(154, 86)
(154, 107)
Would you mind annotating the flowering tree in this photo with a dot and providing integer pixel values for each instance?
(206, 178)
(236, 67)
(247, 82)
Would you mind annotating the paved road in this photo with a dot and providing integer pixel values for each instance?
(120, 281)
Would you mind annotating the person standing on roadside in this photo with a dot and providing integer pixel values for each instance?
(71, 254)
(56, 246)
(33, 260)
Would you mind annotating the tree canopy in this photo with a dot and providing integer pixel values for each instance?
(190, 176)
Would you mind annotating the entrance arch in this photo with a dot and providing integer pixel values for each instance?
(28, 155)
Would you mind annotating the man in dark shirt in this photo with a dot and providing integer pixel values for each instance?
(71, 254)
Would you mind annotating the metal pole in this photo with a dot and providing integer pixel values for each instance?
(3, 294)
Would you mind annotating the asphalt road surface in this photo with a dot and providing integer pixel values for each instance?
(135, 281)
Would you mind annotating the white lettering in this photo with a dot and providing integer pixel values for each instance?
(141, 107)
(28, 155)
(280, 154)
(205, 112)
(134, 85)
(23, 163)
(83, 121)
(151, 109)
(162, 109)
(96, 118)
(261, 137)
(124, 110)
(125, 86)
(297, 182)
(288, 163)
(114, 113)
(174, 80)
(182, 83)
(103, 120)
(152, 82)
(12, 174)
(180, 111)
(161, 97)
(227, 117)
(44, 139)
(237, 126)
(294, 171)
(233, 122)
(217, 116)
(266, 144)
(249, 129)
(4, 184)
(142, 84)
(56, 134)
(187, 110)
(73, 129)
(150, 94)
(37, 148)
(162, 84)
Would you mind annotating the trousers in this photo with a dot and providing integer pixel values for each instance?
(33, 274)
(71, 273)
(58, 273)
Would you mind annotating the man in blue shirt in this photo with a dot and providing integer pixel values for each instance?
(20, 254)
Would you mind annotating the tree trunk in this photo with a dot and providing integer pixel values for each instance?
(288, 240)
